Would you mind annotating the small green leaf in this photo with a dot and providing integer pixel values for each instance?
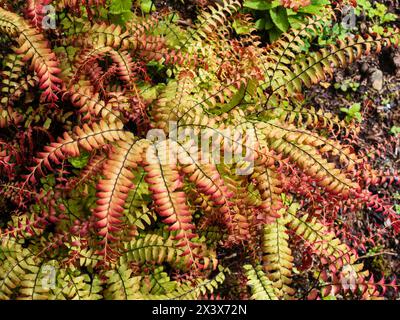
(274, 34)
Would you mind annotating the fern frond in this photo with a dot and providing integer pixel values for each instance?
(87, 57)
(283, 52)
(33, 46)
(76, 5)
(103, 35)
(352, 282)
(278, 258)
(125, 65)
(88, 258)
(157, 283)
(345, 155)
(175, 103)
(308, 116)
(308, 159)
(34, 284)
(301, 147)
(89, 102)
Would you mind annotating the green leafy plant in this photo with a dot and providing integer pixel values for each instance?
(171, 145)
(276, 17)
(353, 112)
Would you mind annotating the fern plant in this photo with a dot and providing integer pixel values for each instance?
(152, 181)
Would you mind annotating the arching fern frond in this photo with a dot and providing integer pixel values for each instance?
(153, 248)
(35, 11)
(16, 263)
(334, 253)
